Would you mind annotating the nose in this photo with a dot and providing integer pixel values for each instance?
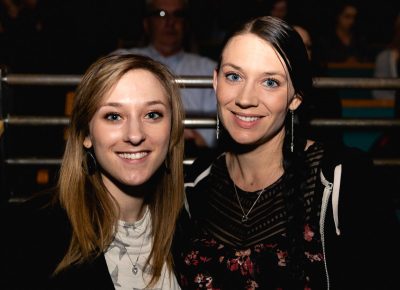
(169, 20)
(247, 96)
(134, 132)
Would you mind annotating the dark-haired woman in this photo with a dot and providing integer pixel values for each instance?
(274, 210)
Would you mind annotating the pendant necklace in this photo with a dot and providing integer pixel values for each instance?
(135, 268)
(245, 216)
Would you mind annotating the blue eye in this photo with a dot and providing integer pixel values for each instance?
(271, 83)
(234, 77)
(113, 117)
(153, 115)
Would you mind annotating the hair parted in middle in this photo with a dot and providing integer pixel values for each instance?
(90, 208)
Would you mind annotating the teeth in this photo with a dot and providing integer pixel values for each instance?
(247, 119)
(133, 155)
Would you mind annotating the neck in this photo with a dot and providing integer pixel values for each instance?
(259, 168)
(131, 204)
(131, 208)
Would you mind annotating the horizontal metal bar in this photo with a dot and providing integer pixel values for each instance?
(211, 122)
(200, 122)
(356, 83)
(194, 82)
(17, 200)
(42, 80)
(33, 161)
(206, 81)
(62, 121)
(386, 162)
(73, 80)
(188, 161)
(356, 123)
(36, 121)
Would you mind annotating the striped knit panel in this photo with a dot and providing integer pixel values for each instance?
(221, 216)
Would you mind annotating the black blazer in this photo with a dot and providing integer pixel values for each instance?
(35, 237)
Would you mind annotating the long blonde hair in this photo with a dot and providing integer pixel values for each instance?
(89, 206)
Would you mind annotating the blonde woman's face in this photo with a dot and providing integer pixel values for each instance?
(253, 90)
(130, 131)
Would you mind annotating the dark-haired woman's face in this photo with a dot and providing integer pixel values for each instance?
(253, 90)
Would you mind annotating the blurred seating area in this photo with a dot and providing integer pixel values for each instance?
(61, 38)
(56, 36)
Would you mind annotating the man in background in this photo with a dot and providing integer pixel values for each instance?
(165, 25)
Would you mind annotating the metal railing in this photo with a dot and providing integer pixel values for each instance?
(8, 120)
(343, 123)
(206, 82)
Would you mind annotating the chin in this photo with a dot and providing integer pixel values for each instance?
(245, 139)
(137, 180)
(133, 180)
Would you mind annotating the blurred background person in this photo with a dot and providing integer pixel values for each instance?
(278, 8)
(322, 103)
(306, 37)
(343, 42)
(387, 63)
(165, 24)
(8, 14)
(23, 26)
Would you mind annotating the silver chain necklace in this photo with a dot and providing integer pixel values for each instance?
(245, 216)
(135, 268)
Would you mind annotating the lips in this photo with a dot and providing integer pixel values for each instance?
(246, 121)
(247, 118)
(133, 156)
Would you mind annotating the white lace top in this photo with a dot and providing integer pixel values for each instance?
(127, 255)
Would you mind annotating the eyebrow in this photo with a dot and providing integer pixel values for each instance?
(149, 103)
(271, 73)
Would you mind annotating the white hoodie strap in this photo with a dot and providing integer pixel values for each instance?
(334, 189)
(325, 199)
(335, 196)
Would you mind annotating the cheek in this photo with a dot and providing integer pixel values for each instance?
(276, 102)
(160, 135)
(225, 93)
(156, 28)
(163, 145)
(279, 107)
(102, 136)
(179, 26)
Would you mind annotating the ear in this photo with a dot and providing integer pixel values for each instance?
(295, 102)
(215, 81)
(87, 142)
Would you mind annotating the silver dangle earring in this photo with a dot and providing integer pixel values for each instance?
(217, 130)
(292, 132)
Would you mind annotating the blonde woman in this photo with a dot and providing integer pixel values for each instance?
(111, 221)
